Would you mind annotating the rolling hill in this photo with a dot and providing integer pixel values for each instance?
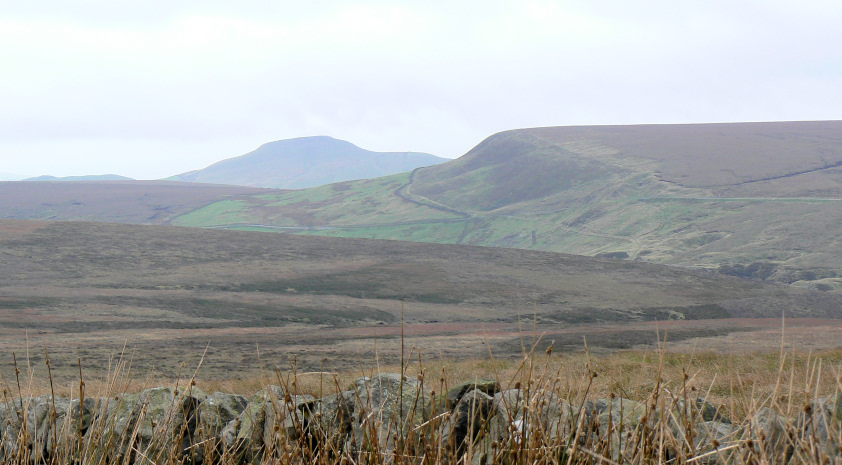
(87, 289)
(753, 199)
(145, 202)
(307, 162)
(760, 200)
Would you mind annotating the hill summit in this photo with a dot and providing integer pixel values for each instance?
(307, 162)
(756, 200)
(752, 199)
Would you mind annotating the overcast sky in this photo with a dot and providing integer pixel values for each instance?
(148, 89)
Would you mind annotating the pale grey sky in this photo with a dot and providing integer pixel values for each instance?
(150, 89)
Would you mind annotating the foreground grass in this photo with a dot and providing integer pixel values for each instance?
(797, 375)
(741, 387)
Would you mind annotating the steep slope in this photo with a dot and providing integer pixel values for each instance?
(504, 169)
(307, 162)
(761, 196)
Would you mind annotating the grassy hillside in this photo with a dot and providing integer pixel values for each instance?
(307, 162)
(745, 197)
(751, 199)
(86, 289)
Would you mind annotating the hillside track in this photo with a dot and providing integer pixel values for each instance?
(404, 193)
(721, 195)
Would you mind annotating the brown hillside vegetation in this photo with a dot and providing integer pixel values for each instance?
(755, 199)
(706, 156)
(718, 155)
(84, 289)
(758, 200)
(148, 202)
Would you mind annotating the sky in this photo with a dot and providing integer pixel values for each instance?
(154, 88)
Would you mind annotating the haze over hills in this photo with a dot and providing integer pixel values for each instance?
(307, 162)
(751, 199)
(760, 199)
(11, 177)
(91, 177)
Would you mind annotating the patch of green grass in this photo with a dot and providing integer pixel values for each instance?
(436, 232)
(218, 213)
(701, 240)
(572, 202)
(257, 229)
(312, 195)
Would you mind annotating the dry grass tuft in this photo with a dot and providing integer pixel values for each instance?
(578, 390)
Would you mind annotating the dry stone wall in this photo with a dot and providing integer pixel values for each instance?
(378, 419)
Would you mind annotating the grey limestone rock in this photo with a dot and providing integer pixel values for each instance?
(329, 418)
(618, 414)
(768, 432)
(387, 410)
(470, 416)
(270, 417)
(540, 412)
(217, 410)
(820, 425)
(454, 394)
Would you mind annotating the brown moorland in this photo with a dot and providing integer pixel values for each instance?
(145, 202)
(256, 300)
(751, 199)
(756, 199)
